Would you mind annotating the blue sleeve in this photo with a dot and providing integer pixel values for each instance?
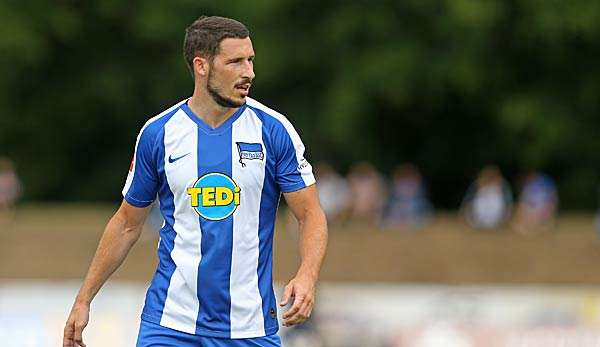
(293, 171)
(141, 186)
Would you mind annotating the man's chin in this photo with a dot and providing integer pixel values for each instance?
(238, 100)
(230, 102)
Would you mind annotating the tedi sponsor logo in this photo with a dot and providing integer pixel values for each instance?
(214, 196)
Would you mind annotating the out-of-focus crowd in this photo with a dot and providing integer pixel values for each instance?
(10, 189)
(364, 197)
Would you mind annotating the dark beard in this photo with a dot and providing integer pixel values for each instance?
(221, 100)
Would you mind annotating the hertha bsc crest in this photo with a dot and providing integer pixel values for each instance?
(250, 151)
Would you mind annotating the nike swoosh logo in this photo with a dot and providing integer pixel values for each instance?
(172, 160)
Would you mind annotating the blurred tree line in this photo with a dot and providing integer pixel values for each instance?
(448, 85)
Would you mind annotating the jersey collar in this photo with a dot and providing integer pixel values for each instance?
(205, 127)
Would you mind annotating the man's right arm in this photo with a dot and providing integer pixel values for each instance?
(120, 234)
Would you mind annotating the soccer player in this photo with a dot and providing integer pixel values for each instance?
(218, 162)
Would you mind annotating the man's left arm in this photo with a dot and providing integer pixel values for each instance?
(312, 223)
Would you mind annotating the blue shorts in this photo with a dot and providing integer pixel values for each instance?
(154, 335)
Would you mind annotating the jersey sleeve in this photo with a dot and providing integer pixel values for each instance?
(293, 171)
(141, 185)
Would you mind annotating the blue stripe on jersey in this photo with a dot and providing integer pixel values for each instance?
(214, 155)
(266, 227)
(157, 292)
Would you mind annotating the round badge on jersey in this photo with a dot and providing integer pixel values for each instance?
(214, 196)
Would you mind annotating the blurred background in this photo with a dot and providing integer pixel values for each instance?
(456, 146)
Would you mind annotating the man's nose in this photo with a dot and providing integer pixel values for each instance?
(248, 71)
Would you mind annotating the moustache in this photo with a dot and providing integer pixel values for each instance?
(244, 82)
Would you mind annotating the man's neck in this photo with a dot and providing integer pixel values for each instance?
(205, 108)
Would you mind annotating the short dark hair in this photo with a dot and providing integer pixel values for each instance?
(204, 37)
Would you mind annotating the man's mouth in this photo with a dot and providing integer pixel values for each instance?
(243, 87)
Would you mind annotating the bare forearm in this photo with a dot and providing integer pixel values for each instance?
(117, 240)
(313, 243)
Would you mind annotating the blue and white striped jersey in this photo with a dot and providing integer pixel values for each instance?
(218, 190)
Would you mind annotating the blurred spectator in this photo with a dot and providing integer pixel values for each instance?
(368, 194)
(488, 202)
(334, 193)
(408, 207)
(597, 217)
(537, 205)
(10, 189)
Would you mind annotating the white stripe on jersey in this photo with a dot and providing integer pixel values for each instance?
(181, 305)
(304, 168)
(247, 319)
(131, 173)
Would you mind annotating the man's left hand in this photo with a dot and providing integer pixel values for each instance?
(302, 290)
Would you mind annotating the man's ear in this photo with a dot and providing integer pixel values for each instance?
(200, 65)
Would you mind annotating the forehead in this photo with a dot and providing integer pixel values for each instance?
(236, 47)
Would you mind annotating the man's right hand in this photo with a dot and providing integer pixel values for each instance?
(121, 232)
(78, 319)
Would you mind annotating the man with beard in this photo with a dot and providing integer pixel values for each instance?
(218, 162)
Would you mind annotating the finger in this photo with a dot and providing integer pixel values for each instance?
(291, 321)
(68, 335)
(79, 334)
(307, 307)
(302, 314)
(287, 293)
(295, 308)
(307, 310)
(294, 320)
